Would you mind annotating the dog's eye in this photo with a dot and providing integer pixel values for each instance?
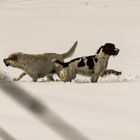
(13, 57)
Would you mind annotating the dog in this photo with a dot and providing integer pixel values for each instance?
(37, 65)
(93, 66)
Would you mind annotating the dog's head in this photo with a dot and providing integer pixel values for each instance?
(108, 49)
(13, 60)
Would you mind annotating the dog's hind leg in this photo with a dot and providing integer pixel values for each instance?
(110, 71)
(50, 77)
(94, 77)
(20, 76)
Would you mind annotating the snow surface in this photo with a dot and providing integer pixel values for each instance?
(107, 110)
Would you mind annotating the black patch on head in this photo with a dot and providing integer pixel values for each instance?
(109, 49)
(90, 62)
(81, 63)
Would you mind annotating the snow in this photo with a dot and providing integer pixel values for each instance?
(107, 110)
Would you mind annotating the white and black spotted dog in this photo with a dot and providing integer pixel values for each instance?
(93, 66)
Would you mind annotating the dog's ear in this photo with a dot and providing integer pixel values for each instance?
(13, 57)
(98, 51)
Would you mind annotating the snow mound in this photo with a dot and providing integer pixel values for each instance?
(122, 78)
(109, 79)
(82, 79)
(3, 76)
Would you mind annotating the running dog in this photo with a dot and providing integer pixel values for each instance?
(37, 65)
(93, 66)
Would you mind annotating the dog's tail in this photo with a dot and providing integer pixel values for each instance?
(70, 52)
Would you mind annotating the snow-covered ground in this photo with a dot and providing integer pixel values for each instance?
(107, 110)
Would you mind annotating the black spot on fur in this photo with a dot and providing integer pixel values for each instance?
(62, 63)
(73, 60)
(90, 62)
(66, 64)
(95, 59)
(81, 63)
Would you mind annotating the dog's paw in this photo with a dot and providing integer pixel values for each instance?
(15, 79)
(119, 73)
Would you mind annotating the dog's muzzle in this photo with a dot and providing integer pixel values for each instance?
(117, 51)
(6, 63)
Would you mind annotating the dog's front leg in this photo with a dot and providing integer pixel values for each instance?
(20, 76)
(94, 78)
(110, 71)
